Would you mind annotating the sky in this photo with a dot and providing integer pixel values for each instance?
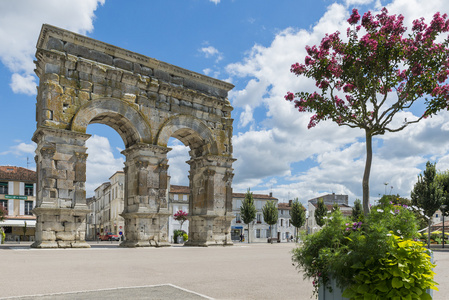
(250, 43)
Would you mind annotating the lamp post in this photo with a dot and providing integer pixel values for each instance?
(443, 209)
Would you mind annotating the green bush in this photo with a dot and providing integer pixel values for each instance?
(353, 252)
(177, 233)
(185, 237)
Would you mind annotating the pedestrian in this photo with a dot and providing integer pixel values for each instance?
(241, 237)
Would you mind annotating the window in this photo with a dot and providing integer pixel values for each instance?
(282, 211)
(436, 216)
(282, 222)
(175, 197)
(238, 203)
(4, 204)
(259, 218)
(4, 188)
(237, 218)
(258, 205)
(29, 189)
(258, 233)
(28, 208)
(185, 197)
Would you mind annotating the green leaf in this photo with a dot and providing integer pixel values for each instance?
(396, 283)
(362, 289)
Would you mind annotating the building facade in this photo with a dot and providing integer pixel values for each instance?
(259, 231)
(108, 203)
(18, 199)
(329, 200)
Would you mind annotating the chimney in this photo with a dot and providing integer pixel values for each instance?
(271, 194)
(290, 203)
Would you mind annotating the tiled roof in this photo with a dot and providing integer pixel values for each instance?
(284, 206)
(255, 196)
(179, 189)
(17, 174)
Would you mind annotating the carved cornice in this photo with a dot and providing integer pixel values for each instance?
(68, 36)
(45, 131)
(81, 157)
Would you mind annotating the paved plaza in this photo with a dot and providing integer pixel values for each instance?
(105, 271)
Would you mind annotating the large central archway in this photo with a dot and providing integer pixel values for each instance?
(84, 81)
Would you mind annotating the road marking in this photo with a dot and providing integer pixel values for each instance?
(109, 289)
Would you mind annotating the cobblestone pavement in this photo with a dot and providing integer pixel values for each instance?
(105, 271)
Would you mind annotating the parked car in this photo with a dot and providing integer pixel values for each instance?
(109, 236)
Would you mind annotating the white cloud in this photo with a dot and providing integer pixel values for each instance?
(23, 84)
(273, 145)
(178, 168)
(20, 24)
(101, 163)
(210, 52)
(215, 1)
(21, 149)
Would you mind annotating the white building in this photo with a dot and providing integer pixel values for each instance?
(259, 231)
(17, 199)
(178, 199)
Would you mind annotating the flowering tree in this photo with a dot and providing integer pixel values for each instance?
(367, 80)
(180, 216)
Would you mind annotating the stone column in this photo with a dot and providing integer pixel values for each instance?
(146, 210)
(211, 201)
(61, 208)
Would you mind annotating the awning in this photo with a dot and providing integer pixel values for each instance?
(18, 223)
(237, 227)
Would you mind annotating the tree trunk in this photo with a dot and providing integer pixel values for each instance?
(248, 233)
(365, 182)
(428, 233)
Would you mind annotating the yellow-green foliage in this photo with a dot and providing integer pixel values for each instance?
(404, 273)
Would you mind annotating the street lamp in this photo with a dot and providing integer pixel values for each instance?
(443, 209)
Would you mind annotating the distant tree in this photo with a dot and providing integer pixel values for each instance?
(380, 70)
(335, 207)
(2, 213)
(248, 210)
(320, 212)
(357, 210)
(298, 216)
(427, 194)
(443, 181)
(180, 216)
(24, 230)
(270, 213)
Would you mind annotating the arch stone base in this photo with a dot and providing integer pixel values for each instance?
(146, 230)
(209, 230)
(60, 228)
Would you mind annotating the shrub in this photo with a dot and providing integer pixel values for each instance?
(380, 246)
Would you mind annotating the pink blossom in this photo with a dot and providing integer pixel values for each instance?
(354, 18)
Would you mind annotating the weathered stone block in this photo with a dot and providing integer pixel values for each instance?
(48, 235)
(76, 50)
(64, 184)
(147, 71)
(55, 44)
(100, 57)
(64, 244)
(162, 75)
(52, 68)
(99, 89)
(52, 226)
(123, 64)
(83, 96)
(98, 79)
(68, 82)
(84, 67)
(85, 85)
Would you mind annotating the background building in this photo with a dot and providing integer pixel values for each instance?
(259, 231)
(18, 198)
(329, 200)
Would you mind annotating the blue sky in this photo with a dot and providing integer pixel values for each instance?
(248, 43)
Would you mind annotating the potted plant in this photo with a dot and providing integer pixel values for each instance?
(378, 257)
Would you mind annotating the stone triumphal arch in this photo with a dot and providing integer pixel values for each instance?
(84, 81)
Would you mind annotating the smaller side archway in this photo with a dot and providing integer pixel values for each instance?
(210, 177)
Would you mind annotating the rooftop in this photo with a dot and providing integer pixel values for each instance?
(17, 174)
